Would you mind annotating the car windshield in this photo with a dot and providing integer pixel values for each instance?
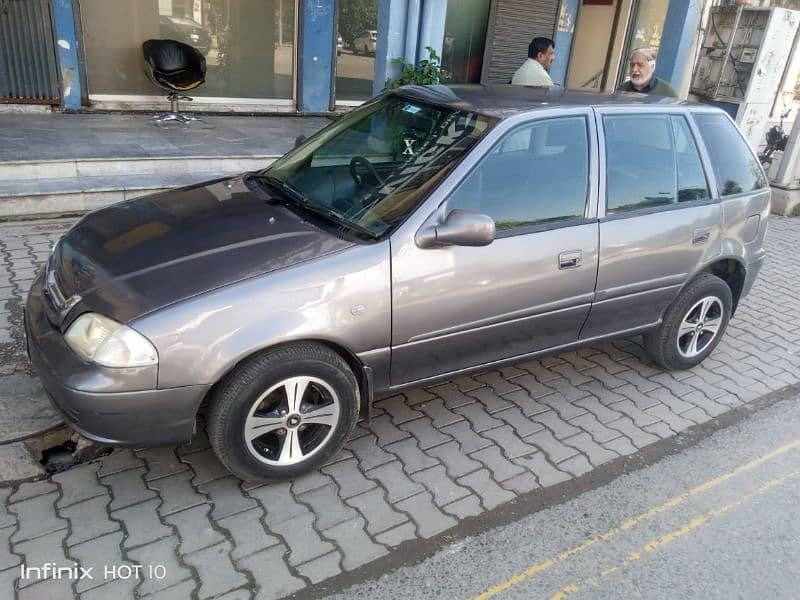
(370, 169)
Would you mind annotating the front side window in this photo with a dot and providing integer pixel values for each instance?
(537, 174)
(370, 169)
(735, 168)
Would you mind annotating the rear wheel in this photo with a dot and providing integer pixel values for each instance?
(693, 325)
(283, 412)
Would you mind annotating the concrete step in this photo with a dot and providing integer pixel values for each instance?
(43, 188)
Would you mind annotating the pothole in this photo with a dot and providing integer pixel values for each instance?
(61, 449)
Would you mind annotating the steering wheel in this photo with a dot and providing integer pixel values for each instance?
(358, 162)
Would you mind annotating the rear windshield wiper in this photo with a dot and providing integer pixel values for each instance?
(302, 201)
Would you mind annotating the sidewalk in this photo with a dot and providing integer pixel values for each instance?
(434, 459)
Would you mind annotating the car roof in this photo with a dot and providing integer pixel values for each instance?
(507, 100)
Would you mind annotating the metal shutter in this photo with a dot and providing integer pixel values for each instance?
(515, 24)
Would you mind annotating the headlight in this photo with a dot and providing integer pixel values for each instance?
(104, 341)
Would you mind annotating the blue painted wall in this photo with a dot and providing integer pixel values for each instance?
(316, 56)
(67, 46)
(680, 27)
(565, 30)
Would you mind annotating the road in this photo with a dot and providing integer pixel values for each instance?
(720, 519)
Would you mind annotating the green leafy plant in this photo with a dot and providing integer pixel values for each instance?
(425, 72)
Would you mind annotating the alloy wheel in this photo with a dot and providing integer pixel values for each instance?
(700, 326)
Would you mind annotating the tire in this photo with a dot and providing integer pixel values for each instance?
(301, 431)
(703, 306)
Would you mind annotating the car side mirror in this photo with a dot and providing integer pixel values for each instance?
(460, 228)
(299, 140)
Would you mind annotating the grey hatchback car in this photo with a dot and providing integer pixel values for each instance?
(431, 232)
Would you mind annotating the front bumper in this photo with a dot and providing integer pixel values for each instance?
(116, 407)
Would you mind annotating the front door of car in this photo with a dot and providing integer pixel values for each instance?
(660, 221)
(456, 307)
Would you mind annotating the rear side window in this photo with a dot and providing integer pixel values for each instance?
(640, 162)
(692, 184)
(735, 168)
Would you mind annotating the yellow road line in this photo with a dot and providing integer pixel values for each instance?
(605, 536)
(668, 538)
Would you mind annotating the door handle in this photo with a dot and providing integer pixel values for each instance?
(570, 260)
(701, 235)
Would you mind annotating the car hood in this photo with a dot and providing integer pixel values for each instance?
(138, 256)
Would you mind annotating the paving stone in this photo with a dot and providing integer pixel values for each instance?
(675, 422)
(598, 431)
(456, 462)
(621, 446)
(672, 402)
(429, 519)
(194, 528)
(411, 456)
(467, 439)
(37, 516)
(176, 492)
(577, 360)
(304, 547)
(566, 394)
(596, 453)
(52, 589)
(702, 401)
(607, 379)
(555, 424)
(394, 480)
(498, 464)
(328, 507)
(509, 441)
(179, 591)
(470, 506)
(491, 494)
(6, 518)
(509, 372)
(498, 384)
(356, 546)
(641, 384)
(417, 395)
(272, 576)
(120, 459)
(539, 370)
(521, 484)
(546, 473)
(198, 443)
(491, 401)
(577, 465)
(397, 535)
(349, 478)
(161, 462)
(206, 466)
(321, 568)
(425, 433)
(379, 515)
(554, 449)
(248, 533)
(660, 429)
(522, 425)
(278, 502)
(440, 415)
(47, 548)
(78, 484)
(7, 559)
(216, 571)
(677, 387)
(570, 374)
(599, 410)
(436, 481)
(640, 400)
(386, 431)
(368, 453)
(639, 437)
(478, 417)
(227, 497)
(309, 481)
(531, 388)
(142, 524)
(467, 383)
(452, 396)
(32, 489)
(127, 488)
(89, 519)
(639, 417)
(398, 409)
(98, 554)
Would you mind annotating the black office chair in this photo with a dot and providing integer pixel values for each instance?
(175, 67)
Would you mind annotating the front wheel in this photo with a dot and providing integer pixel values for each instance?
(283, 412)
(693, 325)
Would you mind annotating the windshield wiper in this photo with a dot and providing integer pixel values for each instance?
(301, 200)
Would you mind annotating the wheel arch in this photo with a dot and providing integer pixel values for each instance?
(732, 271)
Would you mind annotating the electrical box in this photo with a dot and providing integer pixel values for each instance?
(742, 60)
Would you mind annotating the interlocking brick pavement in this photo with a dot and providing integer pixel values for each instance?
(433, 457)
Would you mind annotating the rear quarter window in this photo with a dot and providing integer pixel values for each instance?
(735, 168)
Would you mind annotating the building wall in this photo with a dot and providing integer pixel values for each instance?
(590, 45)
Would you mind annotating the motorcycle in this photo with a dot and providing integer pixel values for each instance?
(776, 140)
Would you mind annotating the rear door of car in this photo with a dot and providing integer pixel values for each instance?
(659, 220)
(455, 307)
